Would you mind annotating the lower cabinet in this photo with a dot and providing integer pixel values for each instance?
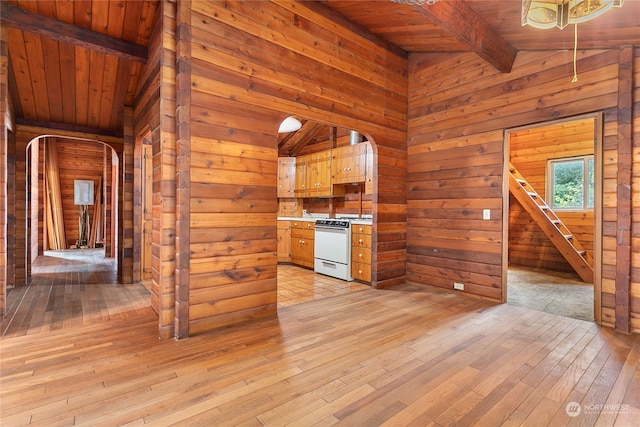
(302, 240)
(361, 252)
(284, 241)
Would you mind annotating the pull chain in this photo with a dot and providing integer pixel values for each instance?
(575, 54)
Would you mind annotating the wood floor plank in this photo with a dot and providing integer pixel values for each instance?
(88, 354)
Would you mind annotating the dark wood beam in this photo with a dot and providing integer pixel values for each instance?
(20, 19)
(67, 127)
(459, 20)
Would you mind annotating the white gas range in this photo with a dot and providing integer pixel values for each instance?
(332, 246)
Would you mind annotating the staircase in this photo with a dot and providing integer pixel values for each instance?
(568, 246)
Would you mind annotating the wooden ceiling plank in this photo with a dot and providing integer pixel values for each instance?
(120, 94)
(96, 75)
(115, 24)
(82, 13)
(20, 19)
(109, 85)
(65, 10)
(54, 80)
(68, 81)
(20, 65)
(82, 84)
(33, 45)
(458, 19)
(149, 15)
(131, 22)
(47, 8)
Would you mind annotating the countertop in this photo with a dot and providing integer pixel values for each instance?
(363, 221)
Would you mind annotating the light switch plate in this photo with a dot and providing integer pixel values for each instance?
(486, 214)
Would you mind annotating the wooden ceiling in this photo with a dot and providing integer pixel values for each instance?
(79, 75)
(76, 63)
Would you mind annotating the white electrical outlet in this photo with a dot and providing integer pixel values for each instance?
(486, 214)
(458, 286)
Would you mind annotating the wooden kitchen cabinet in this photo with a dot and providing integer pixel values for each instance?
(302, 240)
(368, 180)
(286, 176)
(284, 241)
(313, 175)
(350, 163)
(361, 252)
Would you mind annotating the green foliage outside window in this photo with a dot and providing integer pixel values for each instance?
(572, 182)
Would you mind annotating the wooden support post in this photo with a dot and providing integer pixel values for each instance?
(183, 167)
(623, 193)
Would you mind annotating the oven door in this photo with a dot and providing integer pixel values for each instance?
(332, 244)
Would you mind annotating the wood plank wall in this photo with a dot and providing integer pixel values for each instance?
(125, 200)
(253, 64)
(76, 160)
(35, 216)
(458, 108)
(109, 159)
(23, 135)
(529, 151)
(4, 151)
(154, 112)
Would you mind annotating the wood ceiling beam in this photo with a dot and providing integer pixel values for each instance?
(44, 26)
(459, 20)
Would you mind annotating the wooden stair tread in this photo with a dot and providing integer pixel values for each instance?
(551, 225)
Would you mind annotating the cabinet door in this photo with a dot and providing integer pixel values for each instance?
(368, 181)
(284, 241)
(301, 176)
(286, 176)
(323, 177)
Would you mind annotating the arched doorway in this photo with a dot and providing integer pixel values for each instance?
(62, 215)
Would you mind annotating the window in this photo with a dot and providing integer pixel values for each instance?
(571, 183)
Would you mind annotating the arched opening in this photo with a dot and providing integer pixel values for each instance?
(72, 187)
(325, 172)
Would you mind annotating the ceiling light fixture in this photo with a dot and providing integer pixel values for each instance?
(560, 13)
(416, 2)
(290, 124)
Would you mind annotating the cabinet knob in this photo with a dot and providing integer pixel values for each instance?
(359, 271)
(360, 241)
(360, 255)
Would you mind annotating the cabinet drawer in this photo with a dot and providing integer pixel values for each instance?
(360, 271)
(362, 255)
(303, 225)
(361, 240)
(361, 229)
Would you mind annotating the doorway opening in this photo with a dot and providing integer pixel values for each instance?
(552, 216)
(311, 187)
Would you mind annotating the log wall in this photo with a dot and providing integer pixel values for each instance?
(529, 151)
(4, 151)
(154, 114)
(76, 160)
(251, 65)
(458, 109)
(24, 134)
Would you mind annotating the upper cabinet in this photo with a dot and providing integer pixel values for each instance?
(323, 174)
(286, 176)
(313, 175)
(349, 163)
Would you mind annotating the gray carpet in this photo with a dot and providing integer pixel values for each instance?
(551, 292)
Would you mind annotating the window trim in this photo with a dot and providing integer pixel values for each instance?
(550, 181)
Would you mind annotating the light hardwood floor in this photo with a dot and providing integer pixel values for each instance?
(407, 356)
